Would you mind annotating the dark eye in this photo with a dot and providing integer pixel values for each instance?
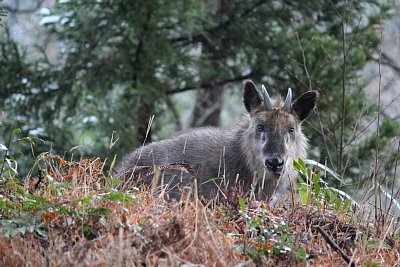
(291, 130)
(260, 128)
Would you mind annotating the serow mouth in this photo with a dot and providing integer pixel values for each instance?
(274, 165)
(276, 174)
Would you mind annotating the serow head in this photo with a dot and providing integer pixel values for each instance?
(276, 125)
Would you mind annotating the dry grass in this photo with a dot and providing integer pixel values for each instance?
(88, 223)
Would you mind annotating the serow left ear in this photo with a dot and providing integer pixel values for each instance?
(304, 104)
(251, 98)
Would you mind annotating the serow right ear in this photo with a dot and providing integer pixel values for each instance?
(304, 104)
(251, 97)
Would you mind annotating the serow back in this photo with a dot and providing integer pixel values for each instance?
(255, 155)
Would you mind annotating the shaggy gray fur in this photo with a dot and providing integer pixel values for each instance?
(236, 156)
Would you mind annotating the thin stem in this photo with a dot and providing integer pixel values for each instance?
(8, 148)
(340, 156)
(377, 134)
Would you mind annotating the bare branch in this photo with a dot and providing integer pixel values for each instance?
(200, 37)
(210, 84)
(334, 245)
(386, 60)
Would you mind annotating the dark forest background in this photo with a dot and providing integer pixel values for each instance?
(120, 62)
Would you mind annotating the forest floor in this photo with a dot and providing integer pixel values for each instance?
(70, 214)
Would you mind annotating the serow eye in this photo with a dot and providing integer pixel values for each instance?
(291, 130)
(260, 128)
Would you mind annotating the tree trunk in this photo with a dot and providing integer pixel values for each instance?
(207, 109)
(144, 132)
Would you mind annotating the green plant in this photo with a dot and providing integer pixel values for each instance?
(13, 146)
(370, 264)
(26, 223)
(266, 239)
(313, 190)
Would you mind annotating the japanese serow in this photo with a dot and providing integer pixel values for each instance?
(256, 154)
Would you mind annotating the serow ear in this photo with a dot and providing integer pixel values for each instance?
(304, 104)
(251, 98)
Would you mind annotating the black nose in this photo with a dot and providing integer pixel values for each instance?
(274, 163)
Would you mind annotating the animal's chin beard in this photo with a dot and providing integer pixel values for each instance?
(275, 174)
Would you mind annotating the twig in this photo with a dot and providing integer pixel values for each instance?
(386, 60)
(303, 56)
(40, 178)
(376, 179)
(394, 176)
(334, 245)
(383, 239)
(340, 156)
(201, 36)
(217, 246)
(210, 84)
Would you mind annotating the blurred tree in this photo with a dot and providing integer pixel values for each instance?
(120, 60)
(3, 13)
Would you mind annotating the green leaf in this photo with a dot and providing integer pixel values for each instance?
(296, 166)
(309, 174)
(114, 181)
(302, 163)
(301, 181)
(10, 169)
(303, 197)
(325, 168)
(27, 140)
(317, 177)
(86, 201)
(242, 204)
(87, 232)
(299, 166)
(317, 186)
(346, 204)
(22, 230)
(41, 232)
(119, 196)
(20, 190)
(317, 190)
(301, 254)
(99, 211)
(16, 131)
(42, 156)
(32, 203)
